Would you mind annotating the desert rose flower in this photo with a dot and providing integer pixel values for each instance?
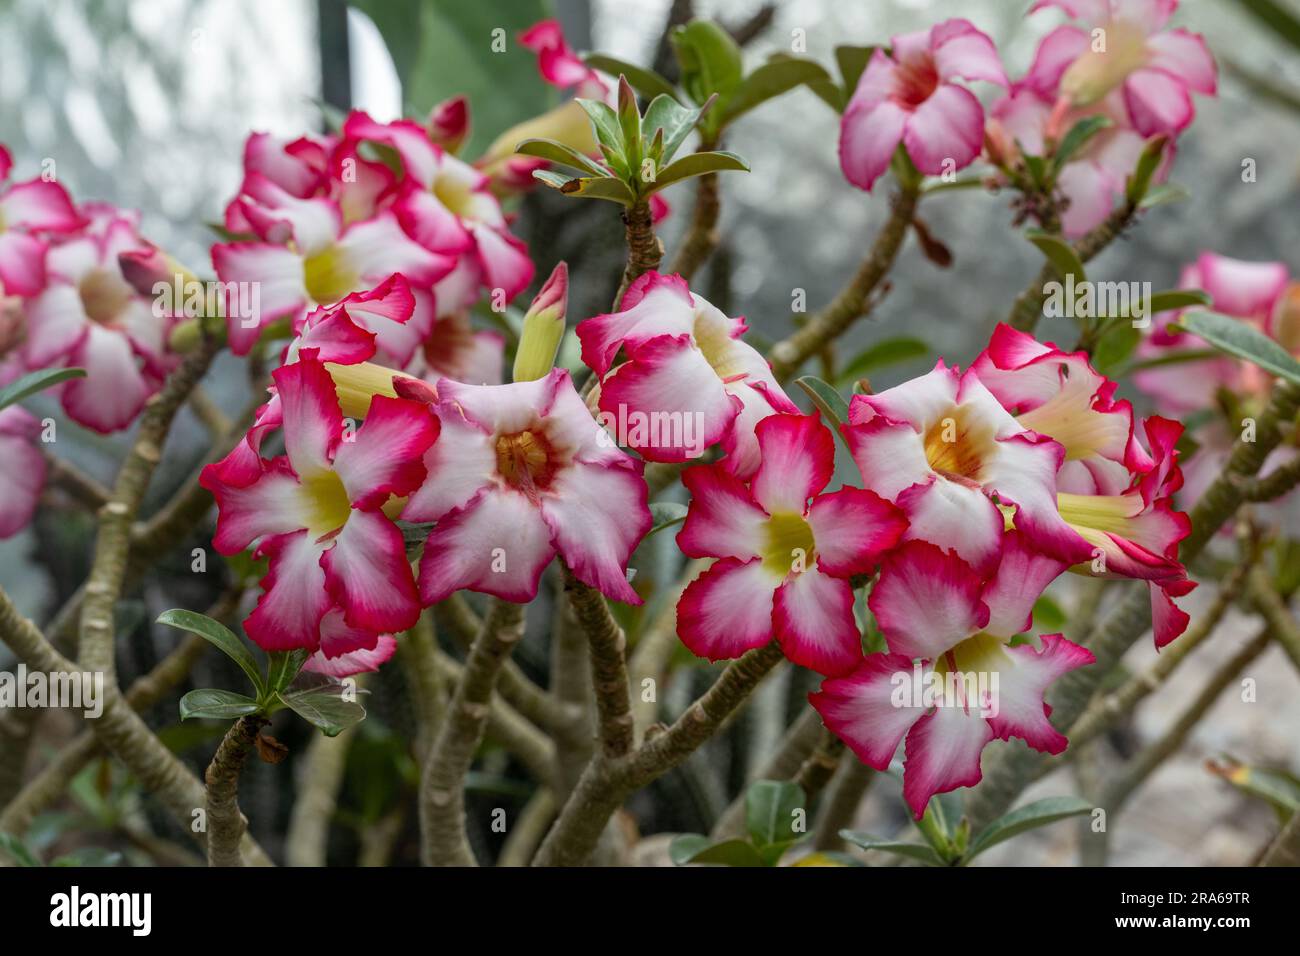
(1123, 46)
(520, 473)
(944, 449)
(910, 96)
(689, 382)
(559, 65)
(786, 550)
(948, 629)
(446, 205)
(338, 576)
(448, 124)
(22, 469)
(89, 316)
(28, 211)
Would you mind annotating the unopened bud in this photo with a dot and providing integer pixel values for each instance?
(543, 328)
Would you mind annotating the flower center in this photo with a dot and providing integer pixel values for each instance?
(103, 296)
(956, 446)
(328, 503)
(327, 277)
(915, 81)
(526, 460)
(788, 543)
(1114, 53)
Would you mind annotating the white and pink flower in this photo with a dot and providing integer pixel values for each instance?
(1124, 47)
(338, 578)
(29, 212)
(520, 473)
(559, 65)
(949, 626)
(688, 378)
(786, 550)
(961, 466)
(910, 95)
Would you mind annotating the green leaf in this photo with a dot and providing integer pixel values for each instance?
(852, 61)
(697, 164)
(943, 186)
(770, 807)
(37, 381)
(1243, 341)
(835, 411)
(882, 354)
(217, 704)
(693, 848)
(1172, 299)
(604, 122)
(1048, 615)
(629, 123)
(17, 849)
(1059, 253)
(1037, 814)
(709, 57)
(1280, 789)
(221, 637)
(1148, 162)
(676, 121)
(604, 187)
(645, 81)
(770, 80)
(1161, 194)
(665, 514)
(1173, 358)
(324, 708)
(1115, 346)
(284, 667)
(915, 851)
(1276, 17)
(1077, 137)
(559, 153)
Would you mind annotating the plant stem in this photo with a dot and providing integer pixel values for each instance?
(225, 823)
(442, 786)
(788, 355)
(607, 645)
(644, 250)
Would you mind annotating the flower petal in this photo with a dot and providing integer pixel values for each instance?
(368, 576)
(723, 521)
(384, 456)
(869, 134)
(289, 612)
(926, 600)
(1157, 102)
(946, 132)
(852, 528)
(943, 753)
(727, 610)
(863, 710)
(313, 423)
(812, 615)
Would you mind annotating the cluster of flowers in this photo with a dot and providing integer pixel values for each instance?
(1120, 62)
(68, 297)
(1189, 380)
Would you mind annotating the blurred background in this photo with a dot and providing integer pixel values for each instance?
(146, 104)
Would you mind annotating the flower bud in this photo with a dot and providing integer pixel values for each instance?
(543, 328)
(448, 124)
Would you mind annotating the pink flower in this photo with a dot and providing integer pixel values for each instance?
(22, 469)
(559, 65)
(1250, 291)
(89, 316)
(689, 382)
(948, 630)
(910, 96)
(944, 449)
(448, 124)
(1124, 47)
(353, 662)
(28, 211)
(1113, 493)
(521, 472)
(338, 576)
(784, 562)
(446, 205)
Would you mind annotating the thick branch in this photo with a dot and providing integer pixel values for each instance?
(225, 822)
(442, 788)
(607, 644)
(644, 250)
(852, 302)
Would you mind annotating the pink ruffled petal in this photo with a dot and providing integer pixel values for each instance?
(863, 710)
(961, 50)
(430, 223)
(278, 276)
(504, 258)
(1024, 674)
(22, 263)
(289, 612)
(459, 464)
(1186, 56)
(1023, 473)
(812, 615)
(1157, 102)
(653, 305)
(39, 205)
(368, 576)
(1023, 574)
(384, 456)
(1055, 53)
(114, 390)
(56, 325)
(852, 529)
(351, 662)
(869, 134)
(727, 610)
(943, 753)
(890, 456)
(955, 516)
(1168, 620)
(723, 520)
(670, 398)
(1242, 288)
(927, 600)
(313, 423)
(496, 544)
(272, 504)
(946, 132)
(598, 515)
(798, 459)
(378, 247)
